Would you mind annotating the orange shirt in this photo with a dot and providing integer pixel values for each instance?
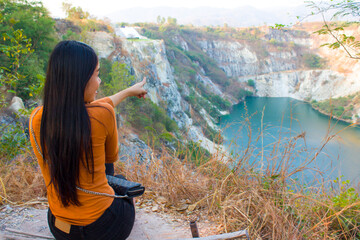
(104, 138)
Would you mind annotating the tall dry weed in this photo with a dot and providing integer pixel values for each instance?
(228, 190)
(269, 203)
(21, 180)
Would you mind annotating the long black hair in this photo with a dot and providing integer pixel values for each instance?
(65, 124)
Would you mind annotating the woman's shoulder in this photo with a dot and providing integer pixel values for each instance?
(36, 110)
(103, 102)
(35, 121)
(101, 108)
(36, 113)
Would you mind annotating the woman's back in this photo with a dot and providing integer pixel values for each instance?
(78, 135)
(105, 150)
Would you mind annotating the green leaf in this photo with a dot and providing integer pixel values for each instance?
(339, 29)
(334, 45)
(150, 129)
(167, 136)
(273, 177)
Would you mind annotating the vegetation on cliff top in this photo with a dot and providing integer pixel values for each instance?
(27, 37)
(341, 108)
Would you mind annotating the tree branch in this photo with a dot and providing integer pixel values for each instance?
(337, 39)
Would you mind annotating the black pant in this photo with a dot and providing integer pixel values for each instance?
(115, 223)
(109, 169)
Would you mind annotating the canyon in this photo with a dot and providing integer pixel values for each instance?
(274, 61)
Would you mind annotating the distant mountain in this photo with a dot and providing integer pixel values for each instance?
(205, 16)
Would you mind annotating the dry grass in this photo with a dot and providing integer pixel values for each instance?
(21, 181)
(237, 198)
(269, 204)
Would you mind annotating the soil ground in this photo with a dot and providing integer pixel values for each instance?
(30, 220)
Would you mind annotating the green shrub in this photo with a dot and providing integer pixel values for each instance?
(219, 102)
(166, 137)
(13, 140)
(27, 38)
(183, 67)
(274, 42)
(141, 121)
(159, 127)
(214, 112)
(104, 72)
(251, 82)
(349, 219)
(70, 35)
(144, 113)
(340, 108)
(213, 135)
(194, 152)
(171, 125)
(313, 61)
(244, 93)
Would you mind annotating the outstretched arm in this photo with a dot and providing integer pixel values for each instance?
(136, 90)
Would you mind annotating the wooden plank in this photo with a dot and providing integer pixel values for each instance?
(224, 236)
(15, 236)
(12, 237)
(27, 234)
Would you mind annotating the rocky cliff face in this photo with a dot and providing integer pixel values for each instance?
(303, 85)
(279, 73)
(147, 58)
(103, 42)
(237, 59)
(275, 65)
(242, 60)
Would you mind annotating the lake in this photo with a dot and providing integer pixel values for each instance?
(286, 118)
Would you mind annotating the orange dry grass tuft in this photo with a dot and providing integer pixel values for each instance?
(244, 199)
(21, 181)
(235, 198)
(168, 177)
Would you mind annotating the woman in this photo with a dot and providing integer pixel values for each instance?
(78, 135)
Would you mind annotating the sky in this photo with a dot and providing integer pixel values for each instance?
(100, 8)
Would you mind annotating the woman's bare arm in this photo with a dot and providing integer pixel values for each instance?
(137, 90)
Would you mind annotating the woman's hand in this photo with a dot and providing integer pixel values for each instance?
(137, 90)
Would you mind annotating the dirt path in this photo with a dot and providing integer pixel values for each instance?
(148, 225)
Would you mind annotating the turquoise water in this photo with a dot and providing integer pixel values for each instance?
(286, 118)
